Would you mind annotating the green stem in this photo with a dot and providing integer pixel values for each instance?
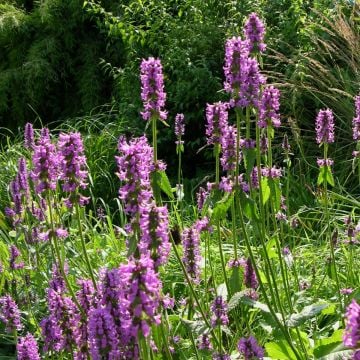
(222, 260)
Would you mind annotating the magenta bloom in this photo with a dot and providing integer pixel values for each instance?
(204, 342)
(254, 30)
(269, 108)
(154, 227)
(135, 165)
(351, 336)
(14, 254)
(219, 312)
(217, 118)
(325, 127)
(249, 348)
(201, 197)
(152, 89)
(324, 162)
(250, 279)
(9, 314)
(356, 119)
(73, 171)
(27, 348)
(273, 173)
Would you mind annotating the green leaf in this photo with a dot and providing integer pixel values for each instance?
(321, 176)
(222, 291)
(249, 160)
(328, 345)
(236, 279)
(249, 207)
(198, 327)
(306, 313)
(222, 207)
(160, 182)
(265, 190)
(279, 350)
(329, 176)
(235, 300)
(338, 354)
(275, 193)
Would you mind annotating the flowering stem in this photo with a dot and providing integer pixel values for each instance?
(191, 288)
(233, 223)
(222, 256)
(217, 164)
(84, 246)
(154, 137)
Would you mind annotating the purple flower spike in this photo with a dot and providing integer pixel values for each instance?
(254, 30)
(249, 348)
(269, 108)
(217, 118)
(46, 164)
(228, 145)
(154, 226)
(135, 166)
(14, 254)
(27, 348)
(219, 312)
(192, 257)
(179, 125)
(325, 127)
(204, 342)
(9, 314)
(152, 89)
(356, 119)
(29, 142)
(250, 279)
(201, 197)
(352, 330)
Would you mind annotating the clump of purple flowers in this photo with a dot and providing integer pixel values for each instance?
(217, 118)
(254, 31)
(352, 331)
(152, 89)
(249, 348)
(73, 168)
(9, 314)
(269, 108)
(324, 126)
(27, 348)
(324, 162)
(134, 164)
(219, 312)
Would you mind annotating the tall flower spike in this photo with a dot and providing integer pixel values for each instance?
(228, 145)
(324, 126)
(217, 121)
(269, 108)
(356, 119)
(254, 31)
(14, 254)
(73, 168)
(192, 257)
(351, 336)
(250, 279)
(179, 125)
(29, 141)
(135, 165)
(154, 226)
(152, 89)
(249, 348)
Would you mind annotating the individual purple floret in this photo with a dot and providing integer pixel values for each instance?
(219, 312)
(103, 337)
(27, 348)
(152, 89)
(9, 314)
(201, 197)
(254, 31)
(142, 288)
(351, 336)
(250, 349)
(73, 173)
(179, 125)
(228, 145)
(217, 122)
(14, 254)
(192, 257)
(250, 279)
(324, 126)
(46, 164)
(269, 108)
(324, 162)
(356, 119)
(154, 233)
(135, 164)
(29, 141)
